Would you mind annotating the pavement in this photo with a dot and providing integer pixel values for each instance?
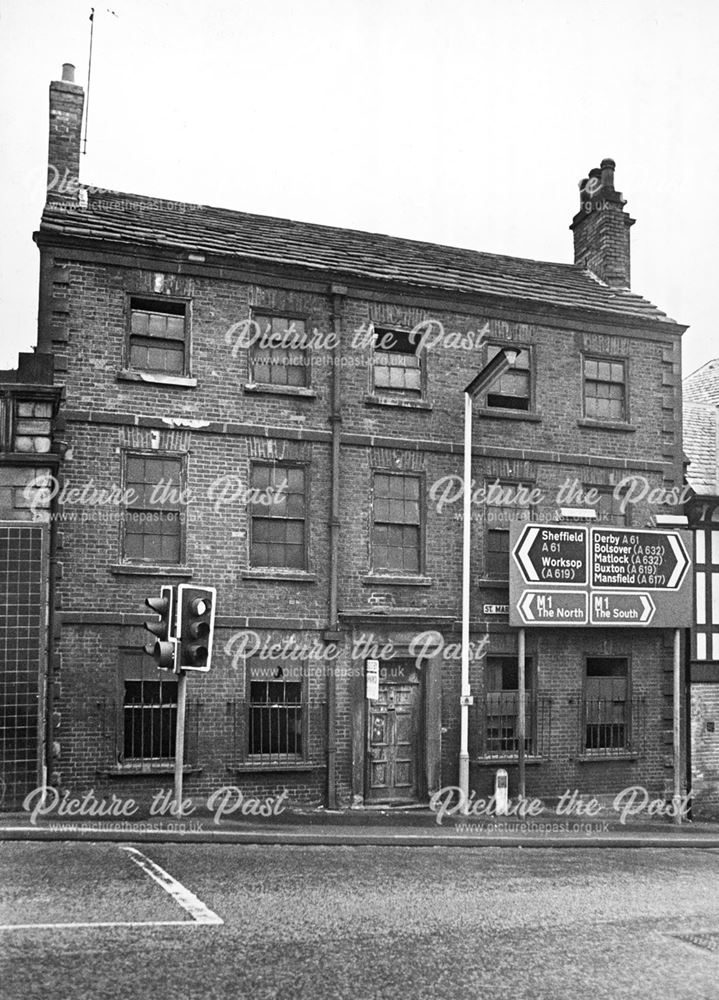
(400, 827)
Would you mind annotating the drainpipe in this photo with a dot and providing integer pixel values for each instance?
(338, 293)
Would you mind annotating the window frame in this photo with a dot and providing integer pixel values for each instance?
(602, 753)
(282, 387)
(531, 735)
(140, 671)
(531, 375)
(489, 573)
(612, 360)
(608, 491)
(394, 394)
(274, 759)
(376, 571)
(305, 568)
(149, 301)
(182, 458)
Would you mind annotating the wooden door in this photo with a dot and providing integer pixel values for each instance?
(393, 740)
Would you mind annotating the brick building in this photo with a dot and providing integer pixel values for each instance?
(701, 438)
(275, 409)
(29, 452)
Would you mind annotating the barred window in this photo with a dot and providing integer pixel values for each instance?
(604, 390)
(513, 389)
(502, 706)
(397, 367)
(287, 363)
(158, 335)
(152, 524)
(396, 526)
(149, 719)
(279, 514)
(606, 704)
(276, 729)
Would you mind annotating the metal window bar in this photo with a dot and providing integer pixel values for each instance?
(495, 726)
(142, 734)
(273, 733)
(613, 726)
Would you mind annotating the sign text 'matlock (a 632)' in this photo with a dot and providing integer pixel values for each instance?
(590, 576)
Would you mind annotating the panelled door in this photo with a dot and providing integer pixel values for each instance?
(393, 735)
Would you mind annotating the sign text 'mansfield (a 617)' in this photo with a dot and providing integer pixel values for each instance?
(583, 575)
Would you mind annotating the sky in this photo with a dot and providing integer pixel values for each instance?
(467, 122)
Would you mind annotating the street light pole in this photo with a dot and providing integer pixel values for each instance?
(496, 367)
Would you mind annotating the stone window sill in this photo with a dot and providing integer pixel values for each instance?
(374, 580)
(145, 771)
(278, 574)
(607, 425)
(141, 569)
(503, 761)
(266, 388)
(256, 767)
(488, 581)
(406, 404)
(155, 378)
(499, 413)
(606, 758)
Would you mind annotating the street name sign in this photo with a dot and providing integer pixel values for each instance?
(582, 575)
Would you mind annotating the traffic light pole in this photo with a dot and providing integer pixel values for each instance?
(180, 739)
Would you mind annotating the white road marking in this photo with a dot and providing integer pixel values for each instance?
(187, 900)
(200, 913)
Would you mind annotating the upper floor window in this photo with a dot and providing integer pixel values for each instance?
(396, 525)
(278, 351)
(605, 390)
(513, 389)
(506, 502)
(610, 505)
(396, 366)
(158, 336)
(279, 516)
(152, 525)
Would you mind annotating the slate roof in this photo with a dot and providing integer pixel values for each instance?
(113, 217)
(701, 428)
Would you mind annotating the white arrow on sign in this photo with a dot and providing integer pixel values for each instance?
(648, 608)
(682, 561)
(522, 554)
(525, 606)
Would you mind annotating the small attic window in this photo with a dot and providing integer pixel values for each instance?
(158, 337)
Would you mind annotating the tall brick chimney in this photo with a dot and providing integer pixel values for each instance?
(63, 160)
(601, 228)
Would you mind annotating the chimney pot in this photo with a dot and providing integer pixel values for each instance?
(68, 72)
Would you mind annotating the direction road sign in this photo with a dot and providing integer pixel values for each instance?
(626, 576)
(621, 607)
(553, 607)
(650, 560)
(552, 554)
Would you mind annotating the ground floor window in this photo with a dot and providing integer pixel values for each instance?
(276, 716)
(607, 709)
(501, 707)
(149, 719)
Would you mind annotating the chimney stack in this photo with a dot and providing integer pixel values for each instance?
(63, 164)
(601, 228)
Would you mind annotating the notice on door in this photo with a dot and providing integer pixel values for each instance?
(372, 680)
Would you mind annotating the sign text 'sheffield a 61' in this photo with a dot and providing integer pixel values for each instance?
(583, 575)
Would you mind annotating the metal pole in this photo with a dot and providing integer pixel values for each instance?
(180, 740)
(466, 544)
(677, 727)
(521, 712)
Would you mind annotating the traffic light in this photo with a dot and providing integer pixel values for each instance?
(164, 648)
(196, 618)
